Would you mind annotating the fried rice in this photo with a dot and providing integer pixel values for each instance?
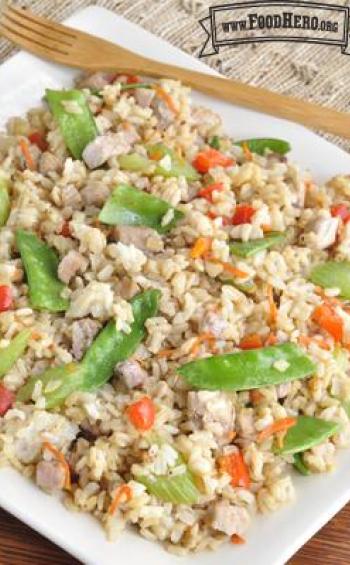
(59, 199)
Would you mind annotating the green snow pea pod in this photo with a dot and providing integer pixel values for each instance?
(214, 142)
(112, 346)
(248, 369)
(250, 248)
(10, 354)
(40, 264)
(5, 204)
(78, 127)
(300, 466)
(333, 274)
(136, 163)
(128, 206)
(109, 348)
(133, 85)
(307, 432)
(260, 144)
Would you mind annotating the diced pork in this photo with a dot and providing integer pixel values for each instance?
(95, 193)
(83, 333)
(97, 80)
(135, 235)
(70, 265)
(132, 374)
(71, 197)
(103, 147)
(213, 410)
(206, 120)
(214, 324)
(144, 96)
(162, 112)
(321, 233)
(230, 519)
(49, 163)
(127, 288)
(50, 475)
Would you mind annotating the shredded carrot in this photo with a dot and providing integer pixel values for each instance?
(35, 335)
(271, 339)
(200, 339)
(328, 320)
(237, 540)
(252, 341)
(255, 396)
(23, 144)
(229, 268)
(61, 459)
(234, 465)
(167, 99)
(278, 426)
(247, 152)
(272, 306)
(201, 247)
(266, 228)
(306, 340)
(123, 491)
(165, 352)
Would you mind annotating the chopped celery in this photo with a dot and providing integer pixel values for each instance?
(5, 204)
(178, 167)
(177, 489)
(136, 162)
(10, 354)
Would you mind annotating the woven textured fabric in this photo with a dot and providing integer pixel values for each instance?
(318, 73)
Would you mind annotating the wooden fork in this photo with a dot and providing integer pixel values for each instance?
(74, 48)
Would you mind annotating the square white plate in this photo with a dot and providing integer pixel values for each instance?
(273, 539)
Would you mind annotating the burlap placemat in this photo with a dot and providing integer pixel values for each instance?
(312, 72)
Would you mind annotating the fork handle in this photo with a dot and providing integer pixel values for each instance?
(256, 98)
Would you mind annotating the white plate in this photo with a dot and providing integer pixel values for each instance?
(273, 539)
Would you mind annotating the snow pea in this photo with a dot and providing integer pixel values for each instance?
(248, 369)
(78, 127)
(333, 274)
(133, 85)
(112, 346)
(40, 264)
(129, 206)
(250, 248)
(300, 466)
(5, 204)
(260, 144)
(109, 348)
(10, 354)
(214, 142)
(307, 432)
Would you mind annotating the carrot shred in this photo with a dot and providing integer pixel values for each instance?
(122, 491)
(252, 341)
(255, 396)
(306, 340)
(61, 459)
(165, 352)
(234, 465)
(279, 426)
(200, 339)
(237, 540)
(201, 246)
(247, 152)
(167, 99)
(229, 268)
(266, 228)
(271, 340)
(23, 144)
(325, 317)
(272, 306)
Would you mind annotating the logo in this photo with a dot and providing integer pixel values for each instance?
(252, 22)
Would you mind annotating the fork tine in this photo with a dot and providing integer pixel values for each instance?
(25, 36)
(39, 22)
(16, 19)
(32, 45)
